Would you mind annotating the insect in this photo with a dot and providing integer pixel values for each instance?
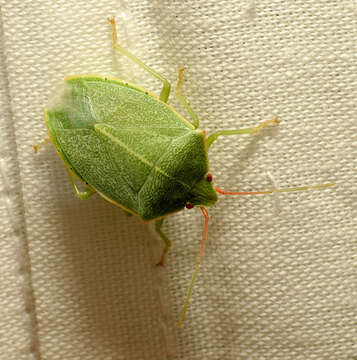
(135, 150)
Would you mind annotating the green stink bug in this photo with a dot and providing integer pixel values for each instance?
(135, 150)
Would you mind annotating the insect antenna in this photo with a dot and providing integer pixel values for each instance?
(273, 191)
(197, 266)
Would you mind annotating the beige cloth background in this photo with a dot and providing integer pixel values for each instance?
(279, 277)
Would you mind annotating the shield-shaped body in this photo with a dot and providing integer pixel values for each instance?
(132, 148)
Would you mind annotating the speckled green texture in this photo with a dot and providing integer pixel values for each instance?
(129, 146)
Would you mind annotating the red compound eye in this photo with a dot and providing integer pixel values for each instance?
(209, 177)
(189, 205)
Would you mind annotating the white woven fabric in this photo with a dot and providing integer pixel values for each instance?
(279, 277)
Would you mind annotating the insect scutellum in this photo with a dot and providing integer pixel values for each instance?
(149, 166)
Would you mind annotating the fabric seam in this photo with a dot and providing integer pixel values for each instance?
(19, 232)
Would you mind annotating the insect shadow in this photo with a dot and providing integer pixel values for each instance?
(110, 270)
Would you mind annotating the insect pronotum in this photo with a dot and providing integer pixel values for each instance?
(136, 151)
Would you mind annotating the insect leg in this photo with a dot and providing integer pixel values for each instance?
(44, 142)
(197, 266)
(165, 92)
(183, 100)
(213, 137)
(81, 194)
(158, 225)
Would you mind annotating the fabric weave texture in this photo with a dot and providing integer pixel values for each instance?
(279, 275)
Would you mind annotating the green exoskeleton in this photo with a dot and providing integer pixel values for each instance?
(135, 150)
